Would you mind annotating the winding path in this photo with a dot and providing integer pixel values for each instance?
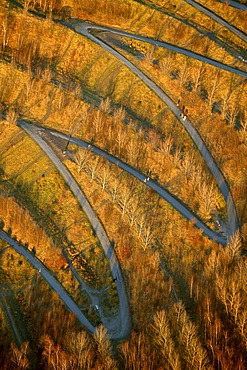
(72, 306)
(164, 193)
(85, 29)
(118, 326)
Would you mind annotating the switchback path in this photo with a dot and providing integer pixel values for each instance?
(118, 326)
(165, 194)
(85, 29)
(90, 30)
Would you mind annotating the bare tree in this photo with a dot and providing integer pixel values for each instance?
(134, 210)
(147, 235)
(166, 145)
(115, 188)
(5, 33)
(19, 356)
(243, 131)
(105, 175)
(184, 71)
(104, 349)
(234, 246)
(61, 99)
(149, 55)
(242, 325)
(198, 75)
(119, 114)
(137, 353)
(192, 351)
(29, 88)
(206, 197)
(125, 197)
(177, 156)
(121, 140)
(81, 158)
(232, 114)
(51, 7)
(230, 293)
(229, 91)
(98, 122)
(164, 341)
(167, 62)
(214, 87)
(77, 91)
(133, 151)
(141, 223)
(43, 4)
(46, 75)
(105, 105)
(94, 165)
(187, 165)
(81, 348)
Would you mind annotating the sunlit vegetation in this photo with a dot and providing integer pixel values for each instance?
(187, 294)
(59, 223)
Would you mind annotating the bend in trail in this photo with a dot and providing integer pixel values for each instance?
(218, 19)
(164, 193)
(118, 326)
(84, 29)
(72, 306)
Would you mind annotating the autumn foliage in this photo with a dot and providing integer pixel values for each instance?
(187, 294)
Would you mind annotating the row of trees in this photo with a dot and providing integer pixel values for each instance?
(188, 298)
(192, 75)
(90, 261)
(224, 94)
(135, 149)
(177, 333)
(178, 336)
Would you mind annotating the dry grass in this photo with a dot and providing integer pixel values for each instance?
(229, 13)
(55, 202)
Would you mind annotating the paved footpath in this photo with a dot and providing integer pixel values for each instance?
(52, 281)
(85, 29)
(164, 193)
(118, 326)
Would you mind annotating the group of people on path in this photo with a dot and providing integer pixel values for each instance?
(184, 111)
